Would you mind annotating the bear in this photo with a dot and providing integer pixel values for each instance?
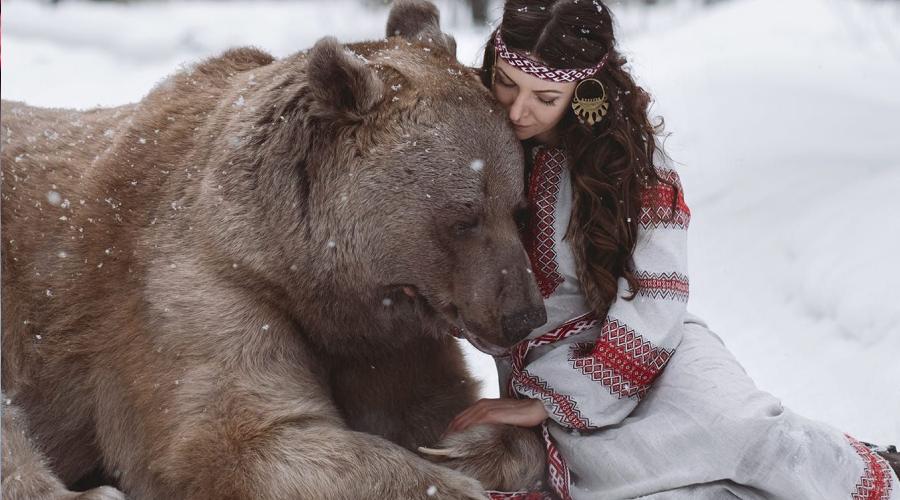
(247, 284)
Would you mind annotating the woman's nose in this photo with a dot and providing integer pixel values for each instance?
(518, 109)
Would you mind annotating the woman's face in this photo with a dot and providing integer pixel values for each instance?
(535, 106)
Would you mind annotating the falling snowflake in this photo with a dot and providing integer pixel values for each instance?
(54, 198)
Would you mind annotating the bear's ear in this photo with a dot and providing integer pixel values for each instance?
(340, 81)
(419, 20)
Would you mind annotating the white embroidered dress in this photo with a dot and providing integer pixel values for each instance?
(646, 402)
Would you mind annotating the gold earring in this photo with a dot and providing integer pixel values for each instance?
(591, 110)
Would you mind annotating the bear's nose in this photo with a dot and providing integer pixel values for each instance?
(518, 325)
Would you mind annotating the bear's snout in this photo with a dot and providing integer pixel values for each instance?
(517, 326)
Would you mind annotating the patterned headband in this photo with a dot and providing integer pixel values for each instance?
(532, 67)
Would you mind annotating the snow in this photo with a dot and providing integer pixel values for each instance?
(81, 47)
(53, 197)
(786, 132)
(782, 118)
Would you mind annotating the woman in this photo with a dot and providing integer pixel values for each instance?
(606, 232)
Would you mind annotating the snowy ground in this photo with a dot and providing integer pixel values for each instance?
(783, 116)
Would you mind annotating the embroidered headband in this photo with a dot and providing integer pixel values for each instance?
(534, 68)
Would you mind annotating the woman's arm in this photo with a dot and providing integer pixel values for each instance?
(598, 382)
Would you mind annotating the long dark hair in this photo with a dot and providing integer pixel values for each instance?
(611, 161)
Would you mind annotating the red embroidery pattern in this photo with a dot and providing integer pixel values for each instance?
(663, 285)
(560, 479)
(628, 372)
(875, 483)
(541, 71)
(623, 361)
(656, 203)
(519, 351)
(563, 406)
(542, 193)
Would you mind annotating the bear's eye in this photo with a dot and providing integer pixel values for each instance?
(521, 215)
(466, 226)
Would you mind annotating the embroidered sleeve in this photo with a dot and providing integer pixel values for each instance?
(597, 379)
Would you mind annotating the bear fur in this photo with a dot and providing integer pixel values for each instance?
(242, 286)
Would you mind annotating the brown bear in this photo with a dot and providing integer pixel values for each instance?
(242, 286)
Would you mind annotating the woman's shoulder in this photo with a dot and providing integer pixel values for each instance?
(662, 199)
(664, 166)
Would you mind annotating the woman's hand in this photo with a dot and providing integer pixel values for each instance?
(519, 412)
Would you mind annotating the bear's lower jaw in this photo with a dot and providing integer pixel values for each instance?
(483, 346)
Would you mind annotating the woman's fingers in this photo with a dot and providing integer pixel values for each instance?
(463, 420)
(471, 416)
(520, 412)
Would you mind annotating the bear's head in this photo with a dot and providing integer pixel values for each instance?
(390, 180)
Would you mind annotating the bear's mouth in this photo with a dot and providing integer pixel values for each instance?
(456, 324)
(483, 346)
(476, 341)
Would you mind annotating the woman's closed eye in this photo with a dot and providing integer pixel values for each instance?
(547, 102)
(504, 83)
